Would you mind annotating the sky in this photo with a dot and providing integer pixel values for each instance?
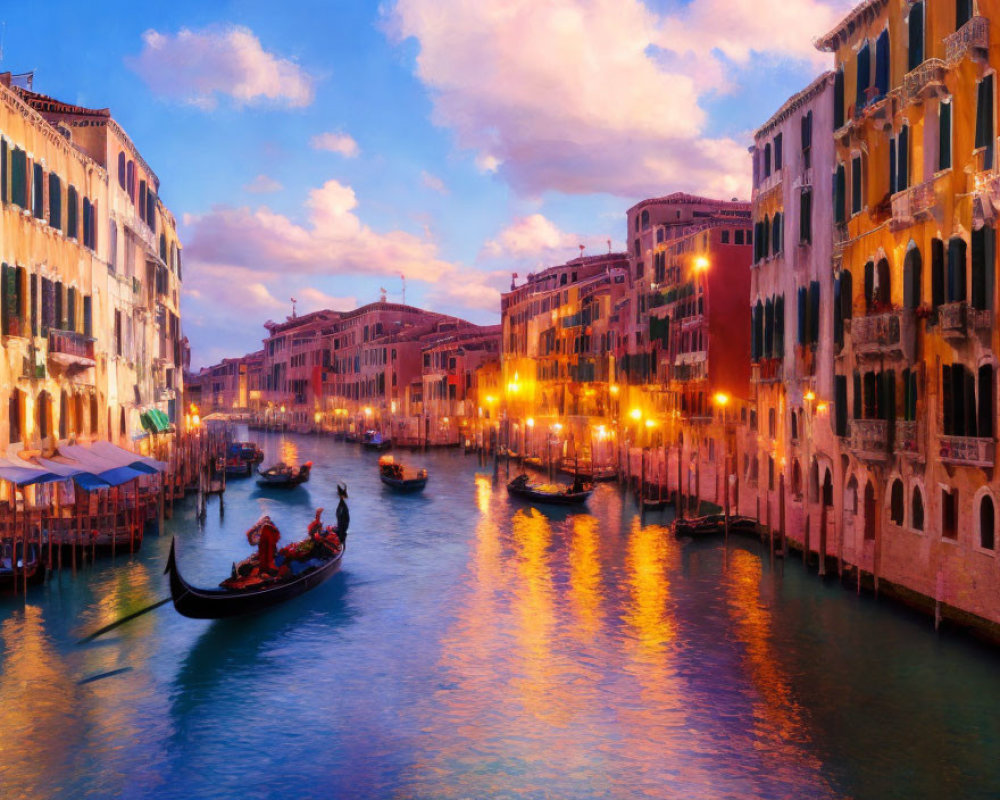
(325, 151)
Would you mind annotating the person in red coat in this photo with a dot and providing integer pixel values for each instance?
(267, 546)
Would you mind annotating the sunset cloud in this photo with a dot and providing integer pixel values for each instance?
(340, 143)
(535, 240)
(584, 96)
(433, 182)
(197, 67)
(262, 184)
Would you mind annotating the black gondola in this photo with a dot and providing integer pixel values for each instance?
(400, 477)
(714, 524)
(374, 440)
(14, 568)
(281, 476)
(190, 601)
(541, 493)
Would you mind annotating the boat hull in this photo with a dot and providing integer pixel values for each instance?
(190, 601)
(409, 485)
(564, 499)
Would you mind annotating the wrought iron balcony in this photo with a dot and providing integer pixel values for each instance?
(767, 370)
(968, 451)
(908, 442)
(889, 335)
(972, 39)
(71, 349)
(924, 82)
(913, 204)
(869, 439)
(959, 321)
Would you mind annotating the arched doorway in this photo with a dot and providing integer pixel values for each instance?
(827, 488)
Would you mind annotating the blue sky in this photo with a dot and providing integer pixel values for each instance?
(488, 138)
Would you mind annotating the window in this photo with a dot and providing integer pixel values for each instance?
(956, 270)
(738, 237)
(19, 177)
(856, 185)
(776, 233)
(840, 195)
(805, 216)
(38, 192)
(985, 137)
(864, 74)
(130, 180)
(869, 512)
(937, 273)
(915, 23)
(113, 245)
(838, 99)
(944, 135)
(777, 152)
(14, 411)
(3, 170)
(840, 404)
(917, 510)
(121, 168)
(645, 219)
(949, 513)
(987, 523)
(896, 503)
(882, 64)
(912, 277)
(71, 213)
(910, 394)
(902, 160)
(983, 259)
(807, 126)
(55, 201)
(725, 237)
(767, 160)
(963, 12)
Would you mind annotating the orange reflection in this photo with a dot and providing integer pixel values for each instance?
(648, 565)
(781, 730)
(585, 574)
(289, 451)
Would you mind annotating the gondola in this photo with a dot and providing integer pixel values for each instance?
(281, 476)
(654, 503)
(15, 570)
(190, 601)
(400, 477)
(547, 493)
(714, 524)
(374, 440)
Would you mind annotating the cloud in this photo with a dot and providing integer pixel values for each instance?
(433, 182)
(479, 291)
(196, 67)
(313, 299)
(584, 96)
(536, 240)
(263, 184)
(335, 143)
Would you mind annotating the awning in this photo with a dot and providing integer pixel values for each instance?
(110, 472)
(68, 469)
(154, 420)
(127, 458)
(21, 474)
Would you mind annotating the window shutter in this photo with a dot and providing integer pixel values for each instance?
(779, 326)
(869, 284)
(6, 299)
(947, 400)
(944, 135)
(838, 100)
(864, 76)
(803, 301)
(805, 216)
(814, 312)
(34, 305)
(893, 180)
(38, 192)
(3, 170)
(882, 63)
(937, 273)
(856, 185)
(777, 152)
(840, 403)
(838, 315)
(986, 401)
(840, 195)
(857, 396)
(916, 31)
(970, 403)
(903, 159)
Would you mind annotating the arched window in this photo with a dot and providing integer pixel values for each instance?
(912, 268)
(645, 219)
(896, 502)
(796, 479)
(121, 168)
(827, 488)
(956, 270)
(776, 233)
(869, 285)
(987, 519)
(883, 290)
(851, 496)
(659, 236)
(813, 482)
(637, 223)
(44, 415)
(121, 422)
(14, 416)
(917, 509)
(767, 160)
(78, 414)
(93, 415)
(915, 22)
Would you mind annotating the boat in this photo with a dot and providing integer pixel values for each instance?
(587, 471)
(374, 440)
(655, 503)
(713, 524)
(241, 458)
(197, 603)
(14, 571)
(558, 494)
(282, 476)
(400, 477)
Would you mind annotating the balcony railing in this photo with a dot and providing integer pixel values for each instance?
(913, 204)
(70, 348)
(869, 439)
(958, 321)
(972, 39)
(968, 451)
(889, 334)
(924, 82)
(907, 441)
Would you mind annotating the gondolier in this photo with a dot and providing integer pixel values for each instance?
(343, 514)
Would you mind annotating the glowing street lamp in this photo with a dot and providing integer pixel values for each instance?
(530, 422)
(701, 264)
(721, 399)
(636, 414)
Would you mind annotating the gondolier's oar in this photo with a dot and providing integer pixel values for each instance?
(123, 620)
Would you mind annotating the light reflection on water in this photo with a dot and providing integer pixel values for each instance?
(476, 647)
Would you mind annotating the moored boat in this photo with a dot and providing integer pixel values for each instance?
(557, 494)
(401, 477)
(282, 476)
(713, 524)
(15, 567)
(198, 603)
(375, 440)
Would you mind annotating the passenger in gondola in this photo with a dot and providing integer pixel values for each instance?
(267, 546)
(343, 515)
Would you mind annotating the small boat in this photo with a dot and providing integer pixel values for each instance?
(558, 494)
(374, 440)
(282, 476)
(14, 567)
(240, 459)
(400, 477)
(587, 471)
(191, 601)
(714, 524)
(655, 503)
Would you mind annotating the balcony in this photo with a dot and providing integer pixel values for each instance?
(966, 451)
(71, 350)
(688, 372)
(697, 357)
(972, 39)
(907, 442)
(912, 205)
(767, 370)
(924, 82)
(879, 108)
(959, 321)
(869, 439)
(889, 335)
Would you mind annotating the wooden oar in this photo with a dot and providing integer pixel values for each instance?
(123, 620)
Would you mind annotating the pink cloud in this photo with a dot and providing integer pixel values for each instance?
(479, 291)
(196, 67)
(536, 240)
(262, 184)
(433, 182)
(598, 95)
(336, 143)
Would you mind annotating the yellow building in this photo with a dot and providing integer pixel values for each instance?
(914, 312)
(90, 276)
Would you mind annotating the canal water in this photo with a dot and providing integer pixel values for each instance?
(476, 647)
